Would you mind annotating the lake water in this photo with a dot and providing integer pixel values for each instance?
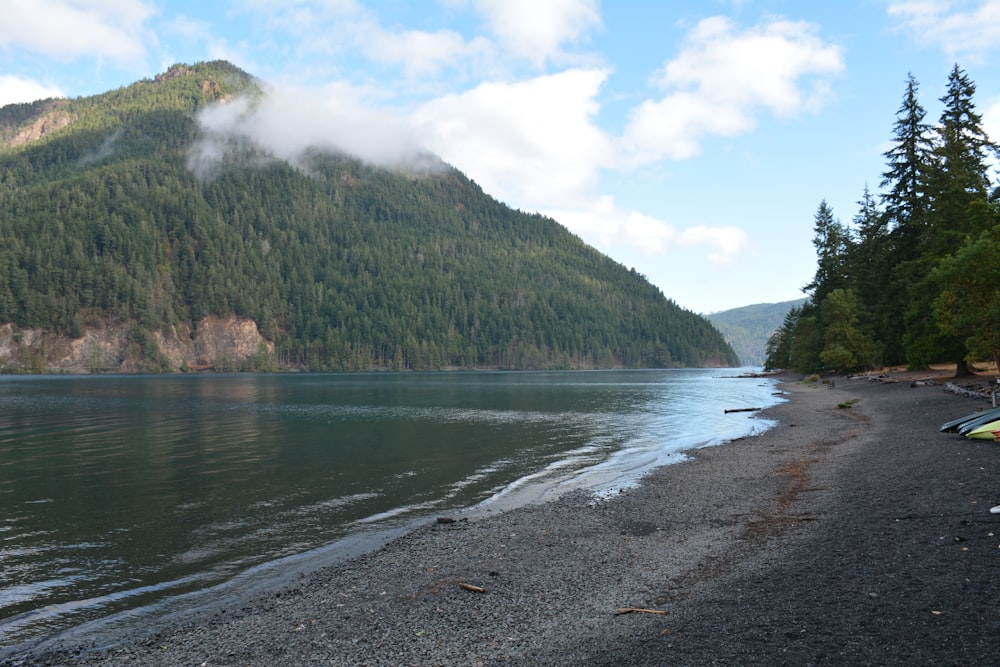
(132, 492)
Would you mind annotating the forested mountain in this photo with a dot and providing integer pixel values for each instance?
(339, 264)
(747, 329)
(914, 279)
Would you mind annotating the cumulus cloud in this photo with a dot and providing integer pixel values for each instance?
(345, 29)
(289, 121)
(531, 142)
(422, 53)
(536, 31)
(961, 29)
(725, 243)
(15, 89)
(515, 31)
(604, 223)
(723, 78)
(69, 29)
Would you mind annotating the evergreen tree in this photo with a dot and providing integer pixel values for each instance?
(807, 341)
(846, 347)
(958, 190)
(832, 241)
(968, 302)
(906, 207)
(870, 276)
(778, 350)
(958, 180)
(904, 180)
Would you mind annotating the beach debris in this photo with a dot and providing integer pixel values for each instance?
(639, 610)
(446, 519)
(968, 390)
(728, 410)
(471, 587)
(995, 510)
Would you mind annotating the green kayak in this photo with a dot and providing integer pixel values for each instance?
(989, 431)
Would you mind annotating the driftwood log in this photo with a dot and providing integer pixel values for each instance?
(639, 610)
(474, 589)
(968, 392)
(728, 410)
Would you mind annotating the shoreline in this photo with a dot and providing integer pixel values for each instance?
(839, 535)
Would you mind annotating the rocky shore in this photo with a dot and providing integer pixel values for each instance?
(851, 533)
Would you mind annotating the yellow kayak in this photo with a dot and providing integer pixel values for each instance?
(989, 431)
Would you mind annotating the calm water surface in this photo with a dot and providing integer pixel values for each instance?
(118, 493)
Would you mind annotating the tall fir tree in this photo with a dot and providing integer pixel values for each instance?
(831, 240)
(904, 180)
(958, 179)
(904, 200)
(958, 208)
(870, 268)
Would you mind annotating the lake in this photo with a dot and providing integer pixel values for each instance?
(135, 492)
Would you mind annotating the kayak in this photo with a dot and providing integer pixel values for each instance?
(956, 424)
(985, 432)
(969, 426)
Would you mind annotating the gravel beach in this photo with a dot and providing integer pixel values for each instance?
(853, 532)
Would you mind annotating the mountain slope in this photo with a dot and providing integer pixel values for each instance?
(340, 265)
(748, 328)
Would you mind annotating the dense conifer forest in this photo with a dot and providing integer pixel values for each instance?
(342, 265)
(915, 279)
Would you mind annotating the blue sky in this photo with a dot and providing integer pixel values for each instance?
(692, 140)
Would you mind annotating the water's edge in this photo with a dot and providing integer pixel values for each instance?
(261, 580)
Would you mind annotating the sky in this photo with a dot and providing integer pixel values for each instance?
(691, 140)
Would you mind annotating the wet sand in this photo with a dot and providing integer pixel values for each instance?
(844, 535)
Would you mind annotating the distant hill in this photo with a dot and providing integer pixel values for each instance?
(115, 255)
(748, 328)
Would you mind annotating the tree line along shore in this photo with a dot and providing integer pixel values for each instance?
(912, 279)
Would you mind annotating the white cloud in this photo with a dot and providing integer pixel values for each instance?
(70, 29)
(15, 89)
(290, 120)
(343, 30)
(721, 81)
(726, 243)
(533, 143)
(602, 223)
(515, 31)
(536, 30)
(971, 29)
(422, 53)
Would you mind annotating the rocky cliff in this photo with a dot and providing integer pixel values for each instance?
(217, 343)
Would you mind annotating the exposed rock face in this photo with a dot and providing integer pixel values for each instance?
(49, 122)
(217, 343)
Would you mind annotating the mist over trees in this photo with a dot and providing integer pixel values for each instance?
(915, 279)
(112, 211)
